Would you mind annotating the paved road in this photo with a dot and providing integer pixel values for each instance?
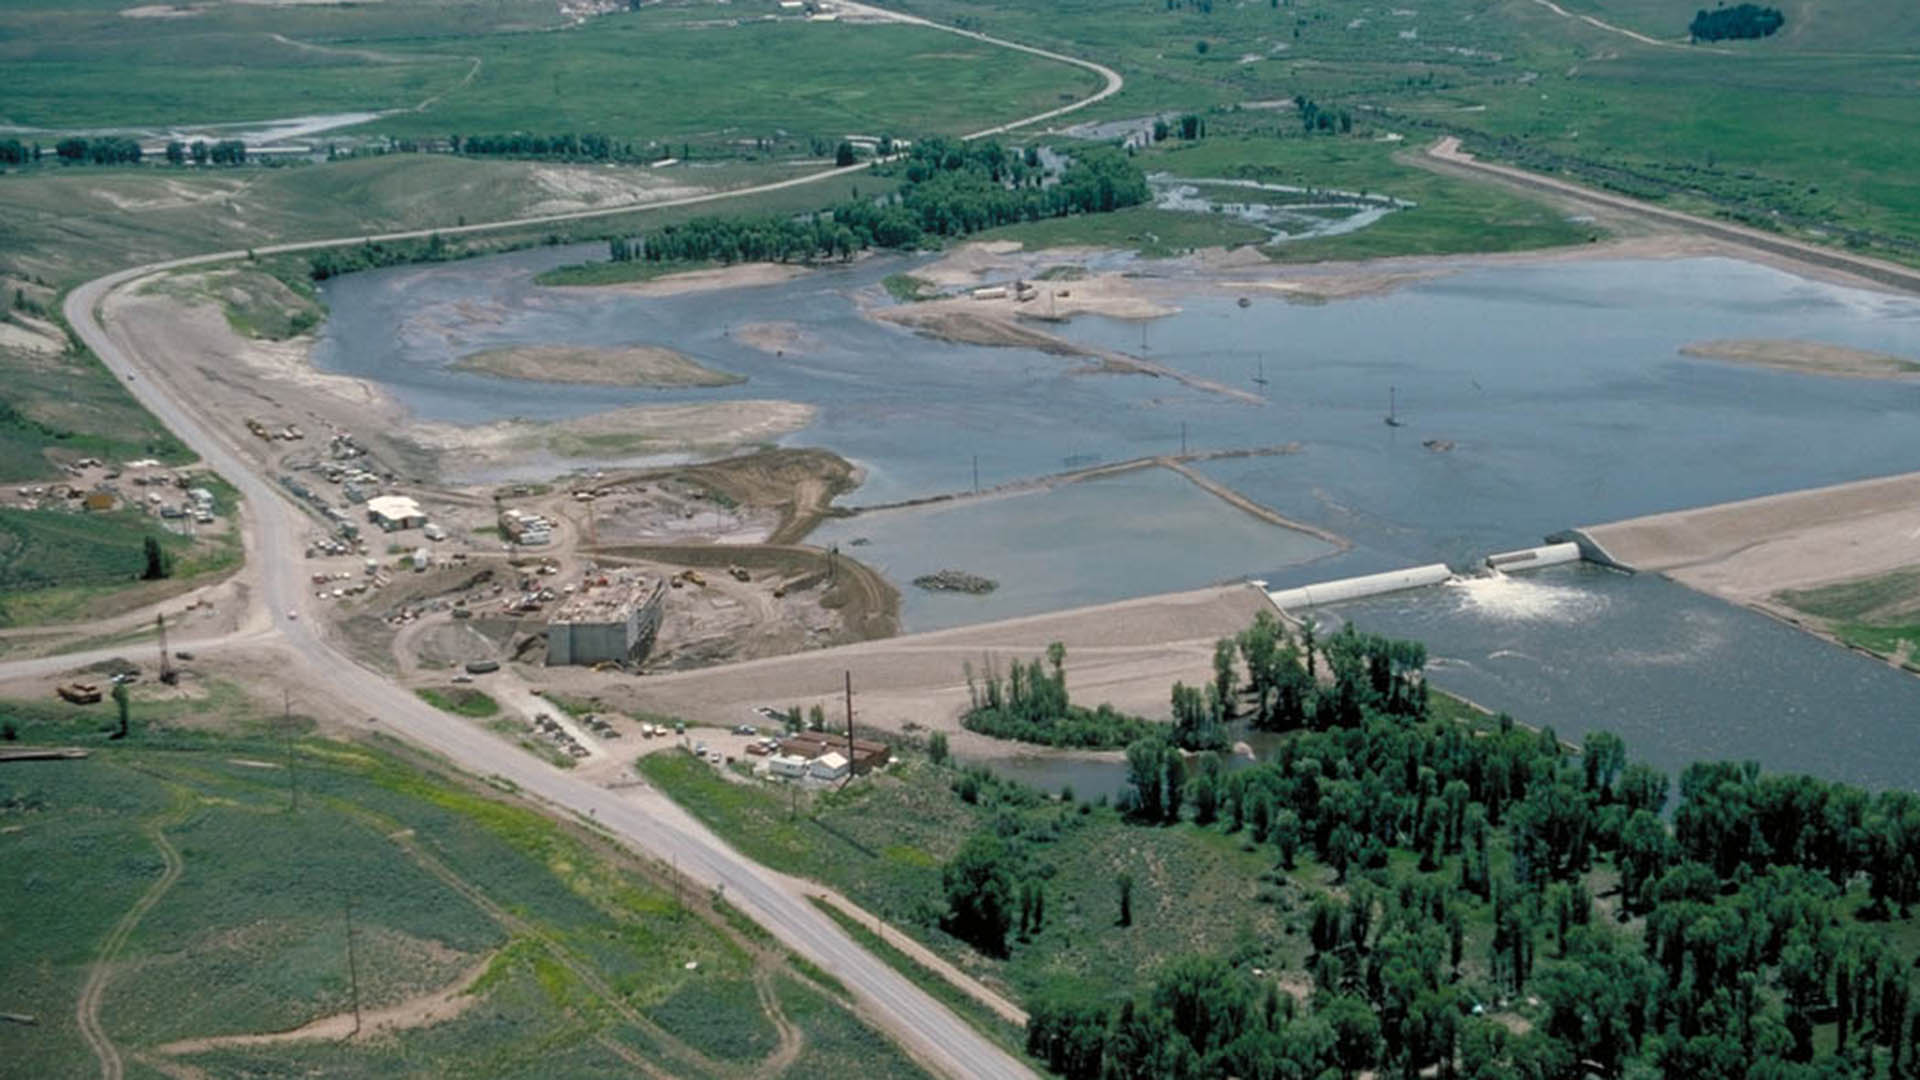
(649, 823)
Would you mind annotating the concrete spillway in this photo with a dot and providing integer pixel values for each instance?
(1534, 558)
(1359, 588)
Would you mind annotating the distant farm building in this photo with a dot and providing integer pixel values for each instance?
(615, 621)
(829, 766)
(395, 512)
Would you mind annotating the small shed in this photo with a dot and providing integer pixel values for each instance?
(393, 512)
(830, 766)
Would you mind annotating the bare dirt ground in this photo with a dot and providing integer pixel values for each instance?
(725, 277)
(1809, 357)
(1129, 654)
(1750, 552)
(241, 378)
(425, 1010)
(1015, 323)
(632, 365)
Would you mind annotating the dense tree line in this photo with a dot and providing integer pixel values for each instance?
(332, 262)
(950, 188)
(1030, 704)
(1739, 21)
(223, 152)
(591, 145)
(100, 150)
(1711, 947)
(15, 152)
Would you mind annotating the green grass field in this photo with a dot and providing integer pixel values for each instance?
(1805, 123)
(1879, 614)
(668, 72)
(51, 561)
(1450, 216)
(586, 962)
(883, 841)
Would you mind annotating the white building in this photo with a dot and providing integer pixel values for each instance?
(394, 512)
(791, 766)
(830, 766)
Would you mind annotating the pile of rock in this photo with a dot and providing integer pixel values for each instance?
(956, 581)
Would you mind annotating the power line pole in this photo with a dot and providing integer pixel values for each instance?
(849, 778)
(353, 969)
(286, 729)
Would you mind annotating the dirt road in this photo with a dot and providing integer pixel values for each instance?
(1879, 272)
(926, 1028)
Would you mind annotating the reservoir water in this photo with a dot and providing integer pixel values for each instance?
(1558, 385)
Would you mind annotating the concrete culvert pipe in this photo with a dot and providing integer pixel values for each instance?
(1535, 557)
(1359, 588)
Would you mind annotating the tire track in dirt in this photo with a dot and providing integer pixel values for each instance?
(87, 1010)
(792, 1039)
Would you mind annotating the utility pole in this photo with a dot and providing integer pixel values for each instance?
(167, 674)
(286, 729)
(353, 969)
(849, 778)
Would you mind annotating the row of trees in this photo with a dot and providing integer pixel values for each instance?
(1739, 21)
(1750, 920)
(101, 150)
(223, 152)
(592, 145)
(120, 150)
(951, 189)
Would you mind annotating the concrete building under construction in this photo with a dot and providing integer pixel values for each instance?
(615, 621)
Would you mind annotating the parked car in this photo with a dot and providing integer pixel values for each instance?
(745, 729)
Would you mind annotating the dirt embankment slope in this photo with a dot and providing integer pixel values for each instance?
(631, 365)
(1749, 550)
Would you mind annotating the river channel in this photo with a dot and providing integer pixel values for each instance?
(1556, 387)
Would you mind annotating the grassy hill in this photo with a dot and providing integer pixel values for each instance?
(490, 939)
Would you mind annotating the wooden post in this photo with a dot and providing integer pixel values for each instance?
(353, 969)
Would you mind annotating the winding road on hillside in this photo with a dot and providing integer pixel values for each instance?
(642, 818)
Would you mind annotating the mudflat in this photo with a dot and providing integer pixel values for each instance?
(631, 365)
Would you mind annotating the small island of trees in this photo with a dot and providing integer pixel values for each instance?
(1739, 21)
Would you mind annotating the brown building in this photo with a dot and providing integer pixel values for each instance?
(812, 744)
